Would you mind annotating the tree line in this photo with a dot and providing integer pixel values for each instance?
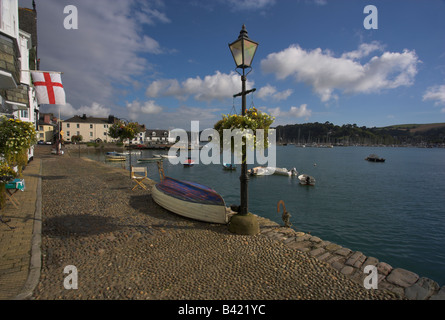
(351, 134)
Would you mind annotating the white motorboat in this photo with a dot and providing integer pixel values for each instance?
(306, 180)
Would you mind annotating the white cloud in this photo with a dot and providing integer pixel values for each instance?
(67, 111)
(249, 4)
(270, 91)
(363, 51)
(437, 94)
(294, 112)
(135, 108)
(213, 87)
(320, 2)
(326, 73)
(182, 116)
(105, 51)
(300, 112)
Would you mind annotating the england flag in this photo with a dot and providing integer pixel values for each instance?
(49, 88)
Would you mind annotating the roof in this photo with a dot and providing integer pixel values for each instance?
(43, 123)
(158, 132)
(85, 119)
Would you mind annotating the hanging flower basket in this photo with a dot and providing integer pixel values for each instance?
(247, 126)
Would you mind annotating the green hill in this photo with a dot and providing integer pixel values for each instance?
(417, 127)
(404, 134)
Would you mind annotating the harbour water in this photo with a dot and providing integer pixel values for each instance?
(394, 211)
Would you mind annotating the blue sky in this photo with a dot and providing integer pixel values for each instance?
(165, 63)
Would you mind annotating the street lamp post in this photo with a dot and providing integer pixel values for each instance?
(129, 145)
(243, 51)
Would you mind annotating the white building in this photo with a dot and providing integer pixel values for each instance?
(156, 136)
(17, 94)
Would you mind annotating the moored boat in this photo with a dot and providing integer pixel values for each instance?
(149, 159)
(115, 158)
(114, 153)
(285, 172)
(189, 163)
(374, 158)
(260, 171)
(306, 180)
(191, 200)
(266, 171)
(229, 166)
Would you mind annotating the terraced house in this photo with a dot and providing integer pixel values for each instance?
(90, 128)
(18, 54)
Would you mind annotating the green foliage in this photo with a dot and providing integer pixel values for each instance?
(6, 171)
(76, 139)
(120, 130)
(16, 137)
(253, 120)
(352, 134)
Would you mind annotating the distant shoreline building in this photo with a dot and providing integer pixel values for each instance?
(156, 136)
(91, 129)
(48, 127)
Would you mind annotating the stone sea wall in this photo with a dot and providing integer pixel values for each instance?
(403, 283)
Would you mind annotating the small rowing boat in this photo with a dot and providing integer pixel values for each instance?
(191, 200)
(149, 159)
(115, 158)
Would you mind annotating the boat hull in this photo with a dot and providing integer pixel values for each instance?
(115, 158)
(229, 167)
(374, 158)
(190, 200)
(149, 159)
(306, 180)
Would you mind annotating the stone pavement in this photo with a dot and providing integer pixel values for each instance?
(126, 247)
(20, 238)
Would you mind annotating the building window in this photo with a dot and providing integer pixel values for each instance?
(40, 128)
(67, 125)
(24, 114)
(78, 126)
(91, 126)
(67, 133)
(91, 134)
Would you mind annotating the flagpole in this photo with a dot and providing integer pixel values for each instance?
(58, 142)
(58, 72)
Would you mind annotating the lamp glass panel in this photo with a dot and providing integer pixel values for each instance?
(249, 52)
(237, 52)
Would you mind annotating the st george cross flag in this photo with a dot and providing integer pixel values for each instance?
(49, 88)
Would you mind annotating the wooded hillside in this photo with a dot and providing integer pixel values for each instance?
(351, 134)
